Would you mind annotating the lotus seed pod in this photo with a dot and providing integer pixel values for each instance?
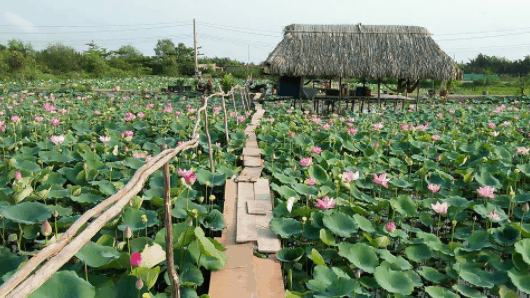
(207, 183)
(304, 219)
(139, 284)
(212, 198)
(144, 219)
(195, 212)
(517, 171)
(12, 238)
(526, 207)
(46, 228)
(128, 232)
(200, 199)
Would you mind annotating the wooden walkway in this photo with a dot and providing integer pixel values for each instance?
(247, 211)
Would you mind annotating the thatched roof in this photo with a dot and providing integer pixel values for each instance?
(360, 51)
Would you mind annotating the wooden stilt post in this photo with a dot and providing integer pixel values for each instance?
(226, 119)
(210, 149)
(172, 273)
(379, 92)
(418, 95)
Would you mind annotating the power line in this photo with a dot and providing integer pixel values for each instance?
(91, 26)
(240, 31)
(480, 37)
(87, 32)
(244, 28)
(481, 32)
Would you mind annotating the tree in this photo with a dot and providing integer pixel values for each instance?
(164, 47)
(129, 51)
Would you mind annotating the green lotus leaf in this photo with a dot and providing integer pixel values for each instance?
(485, 178)
(504, 292)
(148, 275)
(133, 219)
(317, 258)
(521, 279)
(364, 223)
(8, 261)
(290, 254)
(439, 292)
(506, 235)
(65, 284)
(404, 205)
(87, 198)
(395, 261)
(360, 255)
(431, 274)
(95, 255)
(214, 220)
(319, 174)
(392, 280)
(27, 212)
(468, 291)
(477, 241)
(285, 227)
(327, 237)
(340, 224)
(418, 253)
(523, 248)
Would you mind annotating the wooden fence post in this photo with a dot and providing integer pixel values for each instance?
(172, 273)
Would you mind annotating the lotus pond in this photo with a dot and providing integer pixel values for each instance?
(431, 203)
(64, 153)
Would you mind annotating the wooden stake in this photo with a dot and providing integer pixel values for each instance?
(418, 95)
(212, 167)
(379, 92)
(226, 120)
(172, 273)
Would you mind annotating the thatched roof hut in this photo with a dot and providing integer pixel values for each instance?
(359, 51)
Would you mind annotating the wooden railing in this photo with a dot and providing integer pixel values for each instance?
(21, 284)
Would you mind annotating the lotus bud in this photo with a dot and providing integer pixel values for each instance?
(512, 193)
(526, 207)
(12, 238)
(46, 228)
(190, 222)
(200, 199)
(301, 181)
(212, 198)
(454, 222)
(484, 159)
(358, 273)
(390, 227)
(55, 213)
(144, 219)
(128, 232)
(304, 219)
(139, 284)
(18, 176)
(199, 152)
(517, 171)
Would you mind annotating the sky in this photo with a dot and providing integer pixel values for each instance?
(248, 30)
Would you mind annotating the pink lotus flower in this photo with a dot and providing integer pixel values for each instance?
(150, 105)
(139, 155)
(136, 259)
(310, 181)
(486, 192)
(349, 176)
(168, 110)
(104, 139)
(15, 119)
(57, 140)
(439, 157)
(494, 215)
(523, 150)
(2, 128)
(440, 208)
(55, 121)
(316, 150)
(352, 131)
(96, 112)
(376, 145)
(18, 176)
(39, 118)
(491, 125)
(241, 118)
(435, 137)
(291, 134)
(306, 162)
(325, 203)
(390, 227)
(404, 127)
(381, 180)
(190, 178)
(184, 173)
(140, 115)
(434, 187)
(127, 135)
(495, 133)
(378, 126)
(217, 110)
(439, 115)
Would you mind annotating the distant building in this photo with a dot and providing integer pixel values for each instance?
(213, 65)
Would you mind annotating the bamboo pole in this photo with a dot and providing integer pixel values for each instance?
(210, 149)
(418, 95)
(379, 92)
(172, 273)
(226, 120)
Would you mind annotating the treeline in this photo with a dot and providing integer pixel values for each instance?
(19, 61)
(484, 64)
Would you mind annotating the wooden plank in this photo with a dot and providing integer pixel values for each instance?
(228, 236)
(250, 128)
(259, 207)
(251, 144)
(262, 190)
(269, 277)
(251, 152)
(249, 174)
(251, 137)
(250, 161)
(267, 241)
(246, 226)
(245, 192)
(238, 278)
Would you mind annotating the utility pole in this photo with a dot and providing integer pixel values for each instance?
(195, 47)
(248, 60)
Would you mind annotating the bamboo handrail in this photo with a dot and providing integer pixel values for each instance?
(20, 285)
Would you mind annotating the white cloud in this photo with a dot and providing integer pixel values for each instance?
(17, 20)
